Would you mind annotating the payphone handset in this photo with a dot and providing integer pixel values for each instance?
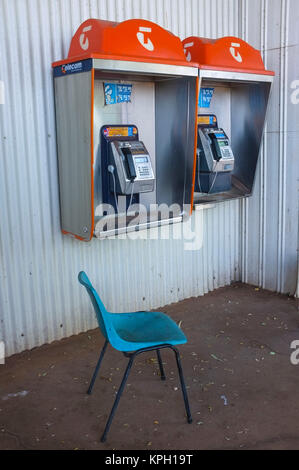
(133, 166)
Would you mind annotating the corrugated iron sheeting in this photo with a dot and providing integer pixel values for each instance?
(270, 217)
(41, 300)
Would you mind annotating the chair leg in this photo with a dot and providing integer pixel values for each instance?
(161, 365)
(97, 368)
(118, 395)
(178, 361)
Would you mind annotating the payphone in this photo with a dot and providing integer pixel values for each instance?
(126, 165)
(215, 158)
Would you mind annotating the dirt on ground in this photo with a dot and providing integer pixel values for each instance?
(243, 389)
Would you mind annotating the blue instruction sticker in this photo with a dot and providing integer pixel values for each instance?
(124, 93)
(110, 93)
(205, 97)
(117, 93)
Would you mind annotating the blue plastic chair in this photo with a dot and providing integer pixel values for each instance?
(132, 334)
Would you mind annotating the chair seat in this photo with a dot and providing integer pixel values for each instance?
(145, 329)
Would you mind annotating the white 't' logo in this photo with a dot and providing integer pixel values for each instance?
(84, 43)
(236, 54)
(188, 53)
(141, 38)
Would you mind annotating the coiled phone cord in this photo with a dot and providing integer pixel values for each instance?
(131, 198)
(111, 170)
(198, 174)
(198, 170)
(214, 180)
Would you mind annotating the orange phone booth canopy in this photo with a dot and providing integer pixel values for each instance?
(136, 40)
(228, 53)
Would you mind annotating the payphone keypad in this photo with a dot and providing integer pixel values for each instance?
(143, 167)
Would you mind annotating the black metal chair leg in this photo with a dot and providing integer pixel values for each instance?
(161, 365)
(178, 361)
(97, 368)
(117, 398)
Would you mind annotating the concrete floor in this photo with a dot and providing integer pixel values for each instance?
(243, 390)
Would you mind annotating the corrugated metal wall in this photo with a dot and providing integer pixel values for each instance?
(40, 297)
(270, 218)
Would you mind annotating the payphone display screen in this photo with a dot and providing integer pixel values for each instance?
(141, 159)
(207, 120)
(120, 131)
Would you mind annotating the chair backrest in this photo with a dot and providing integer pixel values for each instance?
(100, 310)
